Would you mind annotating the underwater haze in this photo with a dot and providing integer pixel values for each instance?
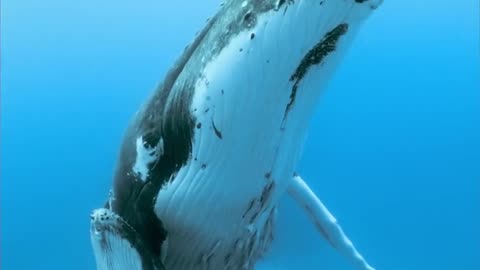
(393, 150)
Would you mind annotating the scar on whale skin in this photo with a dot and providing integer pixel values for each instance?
(314, 57)
(215, 129)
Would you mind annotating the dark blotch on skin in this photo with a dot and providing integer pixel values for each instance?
(266, 193)
(217, 132)
(247, 17)
(250, 206)
(252, 242)
(280, 3)
(314, 57)
(252, 35)
(227, 258)
(254, 216)
(199, 125)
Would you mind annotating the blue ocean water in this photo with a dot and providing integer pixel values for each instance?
(394, 149)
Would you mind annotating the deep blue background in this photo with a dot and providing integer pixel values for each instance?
(394, 149)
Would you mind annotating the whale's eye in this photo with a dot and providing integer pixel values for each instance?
(150, 140)
(247, 16)
(249, 19)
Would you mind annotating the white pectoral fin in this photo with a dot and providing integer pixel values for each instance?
(325, 222)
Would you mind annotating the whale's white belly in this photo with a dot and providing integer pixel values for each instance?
(223, 211)
(219, 208)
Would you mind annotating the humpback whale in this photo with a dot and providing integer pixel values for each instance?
(207, 158)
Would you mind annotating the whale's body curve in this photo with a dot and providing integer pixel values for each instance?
(207, 158)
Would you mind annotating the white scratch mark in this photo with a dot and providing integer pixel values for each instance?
(146, 156)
